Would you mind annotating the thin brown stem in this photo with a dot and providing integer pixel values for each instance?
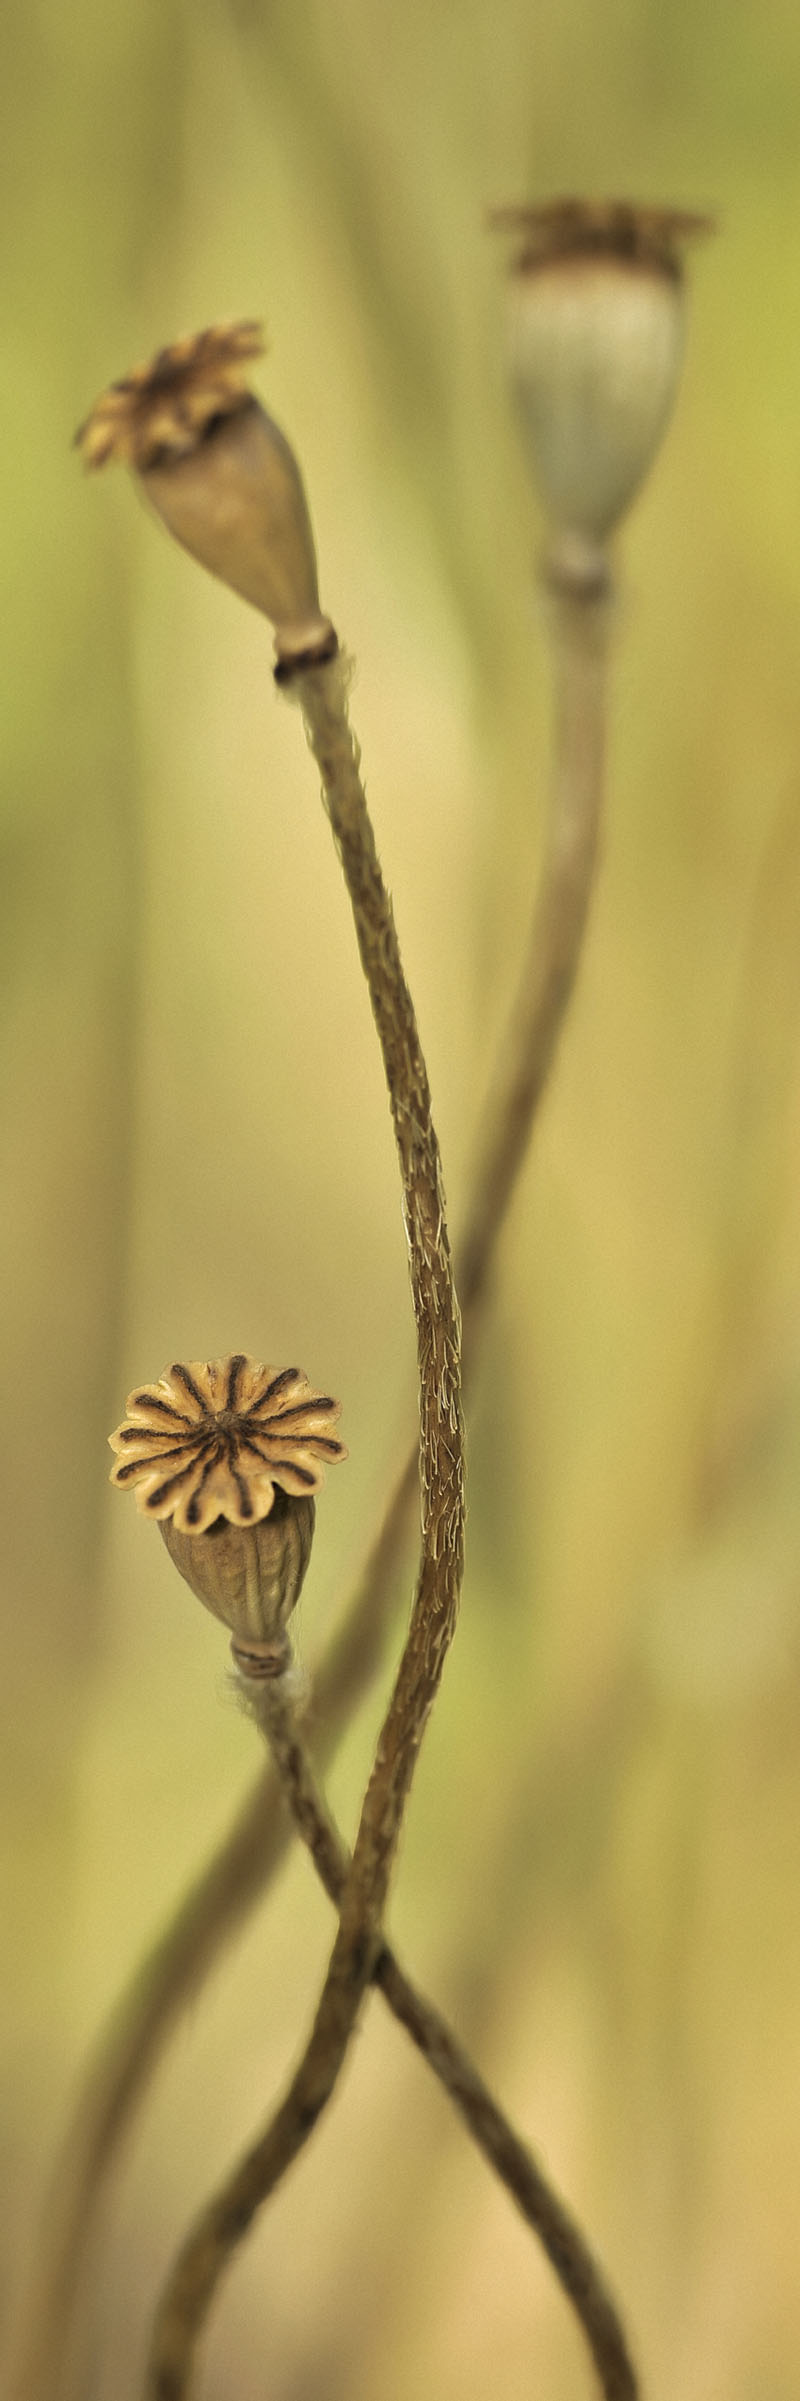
(209, 2247)
(190, 2288)
(240, 1870)
(579, 628)
(322, 695)
(224, 1894)
(579, 649)
(321, 692)
(561, 2238)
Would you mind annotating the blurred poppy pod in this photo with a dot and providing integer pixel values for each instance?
(221, 475)
(597, 326)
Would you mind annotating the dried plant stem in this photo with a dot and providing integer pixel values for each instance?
(230, 1885)
(321, 692)
(210, 2243)
(560, 2237)
(579, 629)
(216, 1905)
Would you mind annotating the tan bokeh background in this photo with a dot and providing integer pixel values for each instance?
(600, 1872)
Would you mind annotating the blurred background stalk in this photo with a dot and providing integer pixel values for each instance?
(600, 1871)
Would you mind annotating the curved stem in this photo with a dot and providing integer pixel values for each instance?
(322, 695)
(321, 691)
(579, 630)
(216, 1905)
(209, 2245)
(543, 2211)
(230, 1885)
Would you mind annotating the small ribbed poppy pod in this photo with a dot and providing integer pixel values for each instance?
(596, 323)
(226, 1455)
(221, 475)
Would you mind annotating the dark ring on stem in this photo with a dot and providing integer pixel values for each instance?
(317, 654)
(258, 1660)
(575, 569)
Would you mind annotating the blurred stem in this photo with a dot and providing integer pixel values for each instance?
(190, 2289)
(228, 1888)
(579, 634)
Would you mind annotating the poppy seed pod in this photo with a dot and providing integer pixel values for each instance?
(222, 477)
(249, 1576)
(237, 503)
(226, 1455)
(596, 309)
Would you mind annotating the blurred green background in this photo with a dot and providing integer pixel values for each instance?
(600, 1873)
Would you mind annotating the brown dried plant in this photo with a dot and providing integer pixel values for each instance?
(248, 1571)
(241, 1869)
(216, 1438)
(162, 408)
(225, 480)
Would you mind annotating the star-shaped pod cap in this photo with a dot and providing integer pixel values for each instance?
(226, 1455)
(221, 474)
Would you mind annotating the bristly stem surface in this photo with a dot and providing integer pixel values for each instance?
(561, 2238)
(321, 691)
(228, 1888)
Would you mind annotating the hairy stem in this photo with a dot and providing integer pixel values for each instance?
(321, 691)
(230, 1885)
(565, 2246)
(561, 2238)
(322, 695)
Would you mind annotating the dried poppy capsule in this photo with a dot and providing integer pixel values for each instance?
(596, 308)
(226, 1455)
(221, 475)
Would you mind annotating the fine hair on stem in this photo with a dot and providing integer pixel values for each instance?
(239, 1872)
